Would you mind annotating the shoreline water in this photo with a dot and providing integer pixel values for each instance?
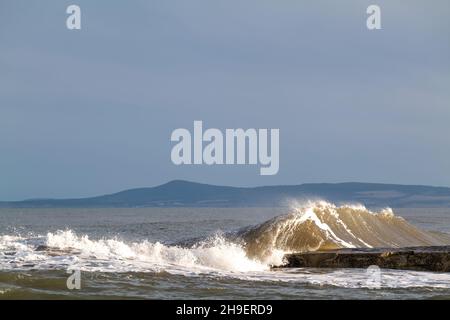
(137, 254)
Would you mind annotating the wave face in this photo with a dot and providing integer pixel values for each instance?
(325, 226)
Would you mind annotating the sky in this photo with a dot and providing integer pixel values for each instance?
(91, 111)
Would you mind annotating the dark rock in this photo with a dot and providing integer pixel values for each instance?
(42, 248)
(414, 258)
(53, 252)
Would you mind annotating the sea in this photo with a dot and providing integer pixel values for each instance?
(211, 253)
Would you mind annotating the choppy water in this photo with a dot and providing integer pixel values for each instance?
(150, 252)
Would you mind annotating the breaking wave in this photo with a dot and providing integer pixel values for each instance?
(325, 226)
(65, 249)
(314, 226)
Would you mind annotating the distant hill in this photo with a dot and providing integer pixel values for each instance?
(183, 193)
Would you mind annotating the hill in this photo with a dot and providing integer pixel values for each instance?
(190, 194)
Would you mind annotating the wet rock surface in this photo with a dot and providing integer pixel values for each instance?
(412, 258)
(55, 252)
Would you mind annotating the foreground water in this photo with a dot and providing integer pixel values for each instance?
(191, 253)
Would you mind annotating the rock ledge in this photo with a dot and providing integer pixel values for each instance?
(411, 258)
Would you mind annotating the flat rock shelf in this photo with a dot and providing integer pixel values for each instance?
(411, 258)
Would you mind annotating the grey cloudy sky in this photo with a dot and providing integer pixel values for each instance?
(90, 112)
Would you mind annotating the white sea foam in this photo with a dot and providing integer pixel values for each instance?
(66, 248)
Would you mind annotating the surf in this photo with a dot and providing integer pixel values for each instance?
(311, 226)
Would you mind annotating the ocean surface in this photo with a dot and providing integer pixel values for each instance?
(211, 253)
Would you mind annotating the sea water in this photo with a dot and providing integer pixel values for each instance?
(203, 253)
